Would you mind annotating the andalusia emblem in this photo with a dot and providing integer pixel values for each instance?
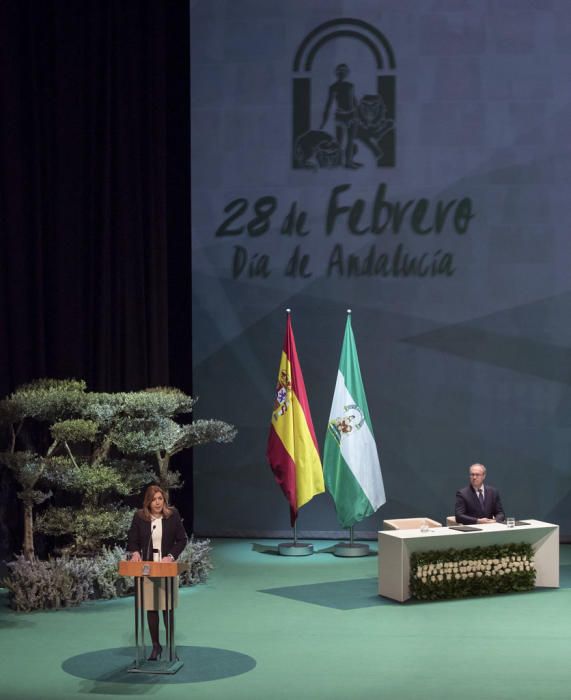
(346, 425)
(281, 400)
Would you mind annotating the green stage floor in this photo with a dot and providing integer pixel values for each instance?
(277, 628)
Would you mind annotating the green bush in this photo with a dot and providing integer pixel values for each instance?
(62, 582)
(48, 585)
(197, 554)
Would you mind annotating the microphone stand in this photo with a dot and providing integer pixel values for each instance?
(149, 544)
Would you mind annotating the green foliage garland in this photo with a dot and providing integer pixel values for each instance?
(459, 573)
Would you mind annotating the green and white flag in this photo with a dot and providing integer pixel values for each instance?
(350, 459)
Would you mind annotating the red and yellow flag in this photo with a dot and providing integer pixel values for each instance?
(292, 448)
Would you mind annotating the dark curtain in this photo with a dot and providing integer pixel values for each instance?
(94, 194)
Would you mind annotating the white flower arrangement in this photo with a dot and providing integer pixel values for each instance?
(486, 567)
(478, 571)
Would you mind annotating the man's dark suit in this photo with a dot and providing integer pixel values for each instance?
(469, 508)
(173, 539)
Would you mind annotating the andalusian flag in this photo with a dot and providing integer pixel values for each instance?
(292, 448)
(350, 459)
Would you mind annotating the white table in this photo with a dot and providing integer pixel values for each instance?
(396, 547)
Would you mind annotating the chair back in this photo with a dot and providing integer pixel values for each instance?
(409, 523)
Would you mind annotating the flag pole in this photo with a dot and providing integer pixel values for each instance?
(351, 548)
(295, 548)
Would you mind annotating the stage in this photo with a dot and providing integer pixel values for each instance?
(268, 626)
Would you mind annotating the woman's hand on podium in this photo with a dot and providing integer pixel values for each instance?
(168, 559)
(135, 556)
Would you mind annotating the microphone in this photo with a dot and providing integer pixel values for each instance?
(149, 544)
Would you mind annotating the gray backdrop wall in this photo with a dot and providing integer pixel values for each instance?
(461, 299)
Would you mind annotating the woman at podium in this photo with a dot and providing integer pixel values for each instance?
(156, 534)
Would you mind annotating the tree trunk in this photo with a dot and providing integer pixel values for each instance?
(29, 532)
(163, 471)
(101, 452)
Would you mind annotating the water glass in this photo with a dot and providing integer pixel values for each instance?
(510, 522)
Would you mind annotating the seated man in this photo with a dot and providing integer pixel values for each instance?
(476, 503)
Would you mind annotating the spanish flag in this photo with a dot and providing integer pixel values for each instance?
(292, 448)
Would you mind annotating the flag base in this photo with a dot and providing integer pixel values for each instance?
(295, 549)
(351, 549)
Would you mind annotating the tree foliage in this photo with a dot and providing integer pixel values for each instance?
(99, 447)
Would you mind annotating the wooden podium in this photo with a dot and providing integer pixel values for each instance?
(167, 571)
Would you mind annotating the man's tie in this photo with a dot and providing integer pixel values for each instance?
(481, 498)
